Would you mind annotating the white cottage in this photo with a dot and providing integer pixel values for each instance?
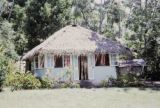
(85, 53)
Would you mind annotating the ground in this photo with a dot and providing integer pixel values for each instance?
(81, 98)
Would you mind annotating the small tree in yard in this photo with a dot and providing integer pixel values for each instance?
(3, 64)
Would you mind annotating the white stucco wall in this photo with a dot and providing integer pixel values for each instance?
(39, 72)
(104, 72)
(52, 73)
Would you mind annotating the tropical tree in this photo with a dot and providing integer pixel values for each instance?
(144, 22)
(6, 48)
(44, 17)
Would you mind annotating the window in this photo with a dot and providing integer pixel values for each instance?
(36, 61)
(66, 61)
(58, 61)
(102, 59)
(114, 59)
(50, 60)
(41, 61)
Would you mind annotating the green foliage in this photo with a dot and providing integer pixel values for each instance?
(6, 39)
(12, 16)
(75, 85)
(22, 81)
(46, 83)
(83, 10)
(128, 80)
(124, 80)
(10, 69)
(145, 24)
(33, 20)
(44, 18)
(3, 64)
(67, 84)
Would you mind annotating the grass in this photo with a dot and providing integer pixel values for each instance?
(81, 98)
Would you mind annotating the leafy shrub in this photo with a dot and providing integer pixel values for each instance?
(30, 82)
(2, 78)
(67, 84)
(22, 81)
(46, 83)
(3, 67)
(2, 75)
(75, 85)
(128, 80)
(112, 81)
(11, 70)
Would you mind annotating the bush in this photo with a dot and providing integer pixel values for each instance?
(2, 78)
(3, 68)
(28, 81)
(110, 82)
(67, 84)
(75, 85)
(46, 83)
(128, 80)
(11, 73)
(22, 81)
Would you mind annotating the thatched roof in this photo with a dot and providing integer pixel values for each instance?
(76, 40)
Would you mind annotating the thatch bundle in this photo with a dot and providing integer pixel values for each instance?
(76, 40)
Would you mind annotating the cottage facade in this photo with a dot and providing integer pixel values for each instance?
(76, 52)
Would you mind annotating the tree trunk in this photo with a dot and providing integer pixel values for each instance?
(10, 12)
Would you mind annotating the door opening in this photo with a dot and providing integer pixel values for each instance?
(83, 67)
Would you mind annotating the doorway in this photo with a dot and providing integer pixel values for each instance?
(83, 67)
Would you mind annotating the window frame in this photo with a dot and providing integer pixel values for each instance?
(39, 61)
(64, 61)
(50, 61)
(117, 58)
(34, 61)
(36, 66)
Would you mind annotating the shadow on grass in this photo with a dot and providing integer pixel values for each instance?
(126, 89)
(148, 88)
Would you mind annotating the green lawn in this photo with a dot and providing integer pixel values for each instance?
(81, 98)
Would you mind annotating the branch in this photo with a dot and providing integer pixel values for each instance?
(10, 12)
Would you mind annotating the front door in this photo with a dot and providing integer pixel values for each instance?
(83, 67)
